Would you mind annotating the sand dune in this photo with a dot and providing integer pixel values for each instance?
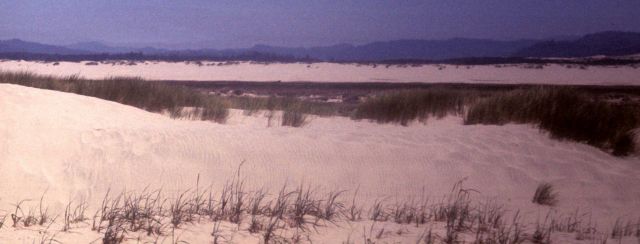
(74, 146)
(81, 145)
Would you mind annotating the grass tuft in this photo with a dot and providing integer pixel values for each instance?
(294, 118)
(545, 195)
(292, 214)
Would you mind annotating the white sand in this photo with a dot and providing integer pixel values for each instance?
(78, 146)
(332, 72)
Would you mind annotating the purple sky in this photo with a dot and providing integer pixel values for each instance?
(239, 23)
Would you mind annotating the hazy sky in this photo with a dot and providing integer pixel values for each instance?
(243, 23)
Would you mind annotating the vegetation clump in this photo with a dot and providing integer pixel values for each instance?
(294, 118)
(571, 113)
(402, 107)
(545, 195)
(252, 105)
(565, 113)
(134, 91)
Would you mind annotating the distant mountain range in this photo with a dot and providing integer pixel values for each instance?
(603, 43)
(405, 49)
(20, 46)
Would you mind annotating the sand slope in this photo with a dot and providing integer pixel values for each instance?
(80, 146)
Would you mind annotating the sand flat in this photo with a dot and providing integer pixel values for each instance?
(334, 72)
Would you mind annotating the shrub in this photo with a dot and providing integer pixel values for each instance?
(545, 195)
